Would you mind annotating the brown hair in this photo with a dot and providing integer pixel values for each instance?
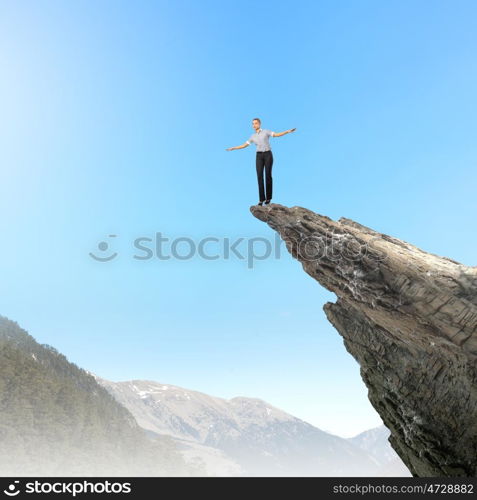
(258, 119)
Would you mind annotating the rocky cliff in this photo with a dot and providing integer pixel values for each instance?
(410, 320)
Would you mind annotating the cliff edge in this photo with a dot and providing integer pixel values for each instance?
(410, 320)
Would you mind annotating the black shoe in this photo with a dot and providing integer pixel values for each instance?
(267, 202)
(260, 203)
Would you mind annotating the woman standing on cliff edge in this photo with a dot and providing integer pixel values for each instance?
(264, 157)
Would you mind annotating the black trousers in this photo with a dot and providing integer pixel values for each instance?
(264, 159)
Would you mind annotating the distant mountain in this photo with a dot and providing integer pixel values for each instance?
(375, 442)
(56, 420)
(250, 433)
(212, 461)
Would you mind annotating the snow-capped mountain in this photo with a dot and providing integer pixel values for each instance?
(251, 436)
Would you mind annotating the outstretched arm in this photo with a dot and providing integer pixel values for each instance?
(244, 145)
(279, 134)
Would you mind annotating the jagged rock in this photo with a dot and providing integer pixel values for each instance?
(410, 320)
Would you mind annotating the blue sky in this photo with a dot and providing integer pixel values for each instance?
(115, 117)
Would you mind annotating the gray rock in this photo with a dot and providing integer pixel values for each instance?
(410, 320)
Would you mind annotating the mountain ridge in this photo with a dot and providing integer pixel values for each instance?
(260, 438)
(55, 419)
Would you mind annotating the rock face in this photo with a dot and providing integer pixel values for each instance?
(410, 320)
